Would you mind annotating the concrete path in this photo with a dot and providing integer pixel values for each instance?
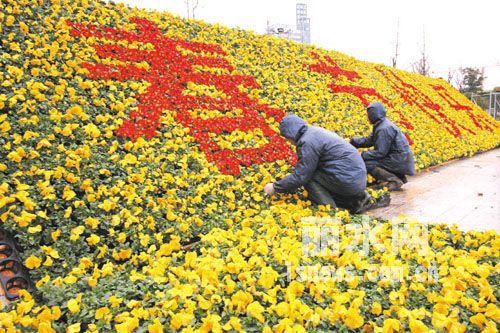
(465, 192)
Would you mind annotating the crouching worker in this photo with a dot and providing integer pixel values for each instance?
(391, 159)
(329, 168)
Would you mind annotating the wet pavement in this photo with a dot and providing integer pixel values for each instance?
(465, 192)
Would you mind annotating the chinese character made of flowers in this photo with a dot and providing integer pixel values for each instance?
(415, 97)
(328, 66)
(170, 72)
(479, 120)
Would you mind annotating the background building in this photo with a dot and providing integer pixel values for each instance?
(303, 23)
(300, 33)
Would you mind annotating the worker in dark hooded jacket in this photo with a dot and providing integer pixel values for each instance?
(391, 159)
(330, 169)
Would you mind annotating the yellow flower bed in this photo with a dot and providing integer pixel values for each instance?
(135, 146)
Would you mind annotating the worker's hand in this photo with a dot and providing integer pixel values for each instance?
(269, 189)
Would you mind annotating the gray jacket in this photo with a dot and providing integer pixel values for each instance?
(322, 150)
(391, 149)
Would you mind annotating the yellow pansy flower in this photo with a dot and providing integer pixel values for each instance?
(74, 304)
(255, 310)
(32, 262)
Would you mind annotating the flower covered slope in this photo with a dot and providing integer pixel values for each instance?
(134, 147)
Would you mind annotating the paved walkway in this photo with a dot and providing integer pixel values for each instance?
(465, 192)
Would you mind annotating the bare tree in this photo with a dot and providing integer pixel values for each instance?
(421, 66)
(459, 80)
(191, 6)
(450, 76)
(396, 54)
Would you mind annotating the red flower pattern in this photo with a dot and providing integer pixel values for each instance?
(169, 73)
(416, 97)
(478, 120)
(330, 67)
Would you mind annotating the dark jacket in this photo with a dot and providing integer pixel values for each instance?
(322, 150)
(391, 149)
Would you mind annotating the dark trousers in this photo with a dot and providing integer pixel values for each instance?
(398, 164)
(372, 165)
(321, 191)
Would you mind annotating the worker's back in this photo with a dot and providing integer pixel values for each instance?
(337, 158)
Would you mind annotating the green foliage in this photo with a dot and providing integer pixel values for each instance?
(471, 81)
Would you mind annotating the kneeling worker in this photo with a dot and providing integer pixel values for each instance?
(329, 168)
(391, 159)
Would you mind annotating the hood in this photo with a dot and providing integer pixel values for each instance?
(376, 111)
(292, 127)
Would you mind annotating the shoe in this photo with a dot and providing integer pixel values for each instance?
(382, 201)
(364, 204)
(402, 177)
(394, 183)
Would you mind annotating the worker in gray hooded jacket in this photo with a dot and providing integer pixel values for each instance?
(391, 159)
(330, 169)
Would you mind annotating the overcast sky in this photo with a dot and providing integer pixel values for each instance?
(457, 33)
